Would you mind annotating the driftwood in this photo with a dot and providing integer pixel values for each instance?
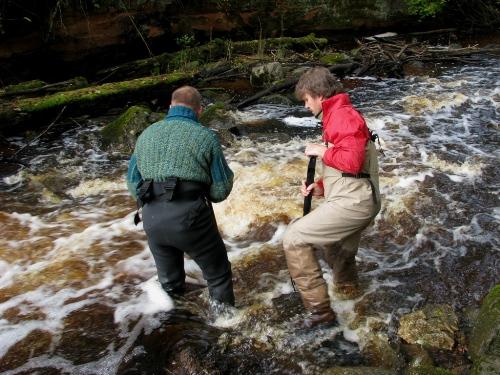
(386, 57)
(215, 50)
(339, 69)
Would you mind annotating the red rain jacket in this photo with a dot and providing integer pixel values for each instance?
(346, 129)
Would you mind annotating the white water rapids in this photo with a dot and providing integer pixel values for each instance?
(72, 264)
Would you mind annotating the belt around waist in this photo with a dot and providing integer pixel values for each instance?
(180, 190)
(358, 175)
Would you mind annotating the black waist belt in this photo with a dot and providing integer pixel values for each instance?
(363, 175)
(175, 189)
(358, 175)
(171, 189)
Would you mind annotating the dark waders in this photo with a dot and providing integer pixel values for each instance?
(178, 219)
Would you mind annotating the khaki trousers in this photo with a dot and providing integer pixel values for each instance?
(334, 227)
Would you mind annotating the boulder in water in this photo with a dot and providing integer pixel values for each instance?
(433, 326)
(484, 346)
(122, 133)
(379, 352)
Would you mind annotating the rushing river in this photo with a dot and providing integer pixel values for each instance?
(78, 292)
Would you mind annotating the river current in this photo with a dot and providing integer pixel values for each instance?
(78, 288)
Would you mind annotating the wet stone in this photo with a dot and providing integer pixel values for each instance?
(378, 351)
(288, 306)
(88, 333)
(416, 355)
(433, 326)
(485, 339)
(183, 343)
(36, 343)
(338, 352)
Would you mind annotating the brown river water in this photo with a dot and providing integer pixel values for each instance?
(78, 288)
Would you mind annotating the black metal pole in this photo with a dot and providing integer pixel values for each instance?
(311, 168)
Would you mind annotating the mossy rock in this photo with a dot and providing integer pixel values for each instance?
(484, 346)
(358, 371)
(433, 326)
(417, 355)
(216, 116)
(427, 370)
(23, 86)
(266, 75)
(378, 351)
(216, 95)
(334, 58)
(122, 133)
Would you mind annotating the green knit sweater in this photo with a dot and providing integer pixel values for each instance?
(179, 146)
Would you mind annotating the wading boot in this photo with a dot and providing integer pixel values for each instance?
(324, 318)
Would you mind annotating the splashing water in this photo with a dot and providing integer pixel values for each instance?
(78, 292)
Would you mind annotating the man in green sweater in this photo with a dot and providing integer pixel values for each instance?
(176, 171)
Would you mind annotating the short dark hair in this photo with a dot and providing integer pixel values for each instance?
(188, 96)
(318, 81)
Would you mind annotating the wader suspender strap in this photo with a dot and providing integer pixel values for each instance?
(144, 195)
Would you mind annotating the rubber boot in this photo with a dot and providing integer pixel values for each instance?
(320, 316)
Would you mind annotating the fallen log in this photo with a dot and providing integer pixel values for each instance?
(19, 90)
(217, 49)
(95, 100)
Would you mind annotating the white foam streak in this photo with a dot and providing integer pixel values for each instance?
(152, 300)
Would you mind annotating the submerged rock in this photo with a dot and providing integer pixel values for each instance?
(434, 326)
(34, 344)
(122, 133)
(484, 344)
(379, 352)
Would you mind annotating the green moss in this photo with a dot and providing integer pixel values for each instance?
(427, 370)
(23, 86)
(122, 133)
(425, 8)
(213, 112)
(116, 128)
(333, 58)
(484, 346)
(90, 94)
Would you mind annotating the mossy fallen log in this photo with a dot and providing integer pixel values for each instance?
(37, 88)
(216, 49)
(90, 100)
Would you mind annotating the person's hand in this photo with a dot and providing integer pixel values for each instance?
(314, 187)
(314, 149)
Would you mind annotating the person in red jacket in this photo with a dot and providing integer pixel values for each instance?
(349, 183)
